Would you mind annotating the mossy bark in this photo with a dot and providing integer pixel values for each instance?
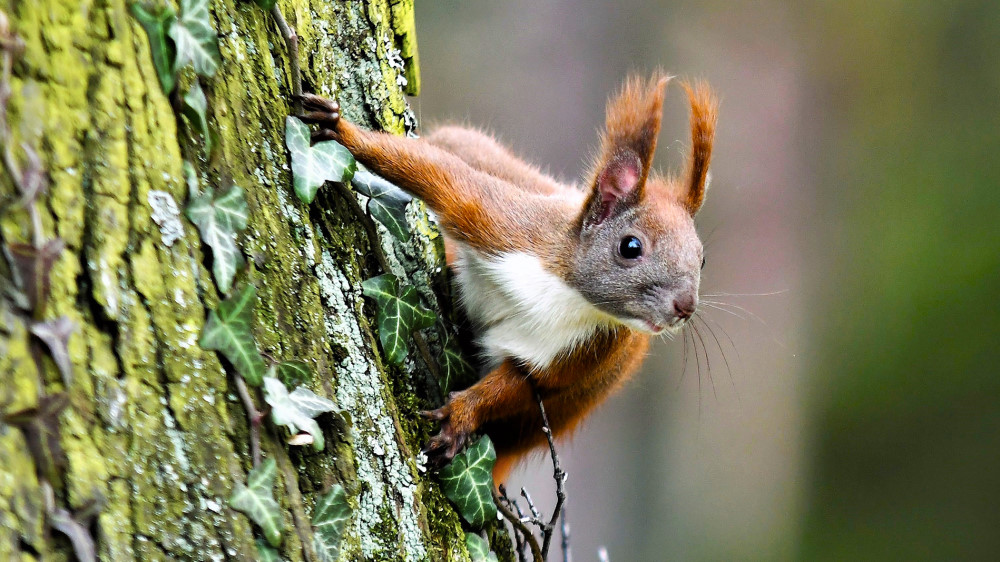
(155, 425)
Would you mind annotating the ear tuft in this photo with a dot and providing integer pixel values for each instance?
(632, 123)
(704, 113)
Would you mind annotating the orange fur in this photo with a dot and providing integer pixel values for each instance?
(495, 203)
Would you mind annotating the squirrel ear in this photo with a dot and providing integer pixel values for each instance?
(627, 146)
(617, 183)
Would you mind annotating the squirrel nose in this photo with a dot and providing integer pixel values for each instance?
(685, 305)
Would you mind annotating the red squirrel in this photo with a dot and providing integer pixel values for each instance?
(565, 286)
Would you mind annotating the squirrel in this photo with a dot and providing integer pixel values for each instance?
(565, 286)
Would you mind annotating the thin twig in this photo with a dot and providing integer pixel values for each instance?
(518, 538)
(292, 43)
(536, 516)
(560, 478)
(536, 553)
(253, 416)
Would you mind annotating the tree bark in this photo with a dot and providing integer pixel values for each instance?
(155, 424)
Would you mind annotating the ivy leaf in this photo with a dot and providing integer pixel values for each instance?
(196, 41)
(297, 410)
(40, 425)
(196, 109)
(31, 268)
(468, 482)
(330, 516)
(454, 367)
(386, 202)
(76, 526)
(256, 500)
(399, 314)
(218, 220)
(79, 536)
(313, 165)
(266, 4)
(479, 548)
(293, 372)
(156, 20)
(55, 333)
(228, 331)
(265, 553)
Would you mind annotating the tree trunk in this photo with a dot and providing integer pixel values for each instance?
(154, 424)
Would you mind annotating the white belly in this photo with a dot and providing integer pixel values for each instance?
(522, 310)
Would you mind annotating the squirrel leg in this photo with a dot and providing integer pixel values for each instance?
(473, 206)
(504, 391)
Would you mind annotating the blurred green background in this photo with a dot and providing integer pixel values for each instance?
(847, 405)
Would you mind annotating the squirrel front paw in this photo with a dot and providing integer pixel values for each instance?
(323, 112)
(450, 440)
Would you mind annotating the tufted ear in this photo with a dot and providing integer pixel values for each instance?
(704, 112)
(632, 124)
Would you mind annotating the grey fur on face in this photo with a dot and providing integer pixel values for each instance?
(656, 291)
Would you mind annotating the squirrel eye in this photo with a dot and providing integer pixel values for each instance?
(630, 248)
(703, 263)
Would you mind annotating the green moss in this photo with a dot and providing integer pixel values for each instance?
(152, 426)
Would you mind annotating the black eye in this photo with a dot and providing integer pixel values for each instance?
(703, 263)
(630, 248)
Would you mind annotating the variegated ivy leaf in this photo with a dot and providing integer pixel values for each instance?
(399, 314)
(196, 109)
(386, 202)
(256, 500)
(468, 482)
(79, 535)
(293, 373)
(40, 425)
(156, 20)
(479, 548)
(218, 220)
(228, 330)
(454, 367)
(265, 553)
(195, 40)
(31, 268)
(55, 333)
(330, 516)
(297, 409)
(313, 165)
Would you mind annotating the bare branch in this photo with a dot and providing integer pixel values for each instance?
(519, 526)
(253, 417)
(292, 43)
(560, 477)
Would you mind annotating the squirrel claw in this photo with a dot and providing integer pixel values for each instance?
(448, 442)
(323, 135)
(434, 415)
(312, 102)
(443, 447)
(319, 110)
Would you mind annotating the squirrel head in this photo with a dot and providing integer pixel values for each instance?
(639, 257)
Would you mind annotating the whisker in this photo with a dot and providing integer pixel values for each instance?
(722, 352)
(712, 304)
(680, 379)
(771, 294)
(708, 362)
